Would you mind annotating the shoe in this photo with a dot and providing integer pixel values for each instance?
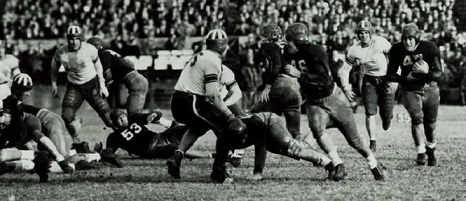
(386, 125)
(5, 168)
(82, 147)
(174, 164)
(220, 175)
(431, 158)
(235, 162)
(377, 172)
(331, 172)
(340, 172)
(373, 146)
(66, 167)
(107, 155)
(421, 159)
(83, 165)
(42, 165)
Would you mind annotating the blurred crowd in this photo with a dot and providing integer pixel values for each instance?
(128, 22)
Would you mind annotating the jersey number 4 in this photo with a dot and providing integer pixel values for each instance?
(129, 133)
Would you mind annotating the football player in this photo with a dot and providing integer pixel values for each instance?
(266, 132)
(281, 93)
(197, 102)
(9, 67)
(371, 53)
(85, 79)
(420, 71)
(326, 104)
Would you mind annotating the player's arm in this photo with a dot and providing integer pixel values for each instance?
(322, 57)
(212, 88)
(145, 118)
(435, 71)
(272, 56)
(105, 59)
(233, 91)
(15, 68)
(259, 159)
(55, 66)
(392, 68)
(112, 142)
(344, 72)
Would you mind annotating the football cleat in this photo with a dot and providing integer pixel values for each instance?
(83, 165)
(220, 175)
(82, 147)
(377, 172)
(421, 159)
(340, 172)
(66, 167)
(331, 172)
(234, 161)
(108, 156)
(386, 125)
(431, 158)
(373, 146)
(42, 165)
(174, 165)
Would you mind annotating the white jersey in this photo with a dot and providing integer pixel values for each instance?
(204, 67)
(79, 65)
(8, 65)
(227, 81)
(373, 58)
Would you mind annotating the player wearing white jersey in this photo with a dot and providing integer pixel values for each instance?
(371, 53)
(85, 76)
(196, 101)
(9, 67)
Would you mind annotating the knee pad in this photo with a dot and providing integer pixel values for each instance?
(417, 118)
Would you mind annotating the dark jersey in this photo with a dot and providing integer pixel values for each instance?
(118, 66)
(11, 106)
(400, 57)
(272, 54)
(316, 78)
(135, 139)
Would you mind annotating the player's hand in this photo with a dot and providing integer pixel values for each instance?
(421, 67)
(265, 94)
(98, 147)
(292, 71)
(392, 87)
(410, 77)
(103, 91)
(349, 92)
(5, 119)
(256, 177)
(54, 90)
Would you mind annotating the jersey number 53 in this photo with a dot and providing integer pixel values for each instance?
(129, 133)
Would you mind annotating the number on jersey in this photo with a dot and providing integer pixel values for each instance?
(129, 133)
(194, 59)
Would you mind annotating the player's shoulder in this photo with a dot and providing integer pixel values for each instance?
(380, 39)
(62, 49)
(270, 47)
(11, 57)
(397, 47)
(427, 45)
(88, 47)
(354, 48)
(209, 55)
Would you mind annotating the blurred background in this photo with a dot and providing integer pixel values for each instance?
(160, 36)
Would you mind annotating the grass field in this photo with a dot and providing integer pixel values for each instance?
(284, 178)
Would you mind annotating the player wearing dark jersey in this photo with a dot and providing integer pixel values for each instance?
(266, 132)
(420, 72)
(133, 136)
(281, 92)
(326, 104)
(118, 70)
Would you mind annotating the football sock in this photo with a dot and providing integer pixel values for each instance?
(371, 161)
(238, 153)
(421, 149)
(431, 144)
(92, 157)
(324, 161)
(335, 157)
(27, 155)
(55, 167)
(25, 165)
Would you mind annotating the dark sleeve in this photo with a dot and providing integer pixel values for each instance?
(393, 66)
(143, 118)
(112, 142)
(34, 127)
(272, 56)
(105, 59)
(319, 60)
(30, 109)
(222, 148)
(435, 71)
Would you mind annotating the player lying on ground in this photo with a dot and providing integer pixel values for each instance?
(266, 132)
(133, 136)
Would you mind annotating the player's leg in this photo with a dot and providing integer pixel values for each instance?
(387, 103)
(72, 100)
(137, 90)
(430, 107)
(91, 94)
(370, 98)
(412, 101)
(292, 109)
(12, 154)
(39, 162)
(55, 129)
(342, 115)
